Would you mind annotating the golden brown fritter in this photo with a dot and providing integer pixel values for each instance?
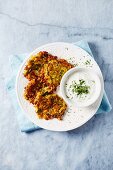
(34, 65)
(34, 87)
(46, 68)
(44, 73)
(54, 71)
(50, 106)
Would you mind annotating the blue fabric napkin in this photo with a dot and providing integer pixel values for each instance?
(24, 124)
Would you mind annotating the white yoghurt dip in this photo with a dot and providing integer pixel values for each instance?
(81, 87)
(74, 79)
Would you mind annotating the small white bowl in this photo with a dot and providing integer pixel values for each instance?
(94, 77)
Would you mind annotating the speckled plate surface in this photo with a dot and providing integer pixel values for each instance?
(73, 118)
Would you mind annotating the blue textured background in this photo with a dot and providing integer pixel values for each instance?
(24, 25)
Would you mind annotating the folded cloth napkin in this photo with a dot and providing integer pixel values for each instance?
(24, 123)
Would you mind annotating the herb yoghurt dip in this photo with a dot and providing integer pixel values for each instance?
(81, 86)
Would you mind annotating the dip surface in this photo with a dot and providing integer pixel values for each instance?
(80, 87)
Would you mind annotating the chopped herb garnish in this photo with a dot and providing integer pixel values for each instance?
(88, 62)
(67, 96)
(75, 65)
(80, 88)
(66, 48)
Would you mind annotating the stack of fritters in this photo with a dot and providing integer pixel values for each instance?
(44, 73)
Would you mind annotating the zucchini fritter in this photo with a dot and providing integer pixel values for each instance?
(34, 87)
(54, 71)
(35, 64)
(50, 106)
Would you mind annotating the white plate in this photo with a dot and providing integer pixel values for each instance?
(73, 117)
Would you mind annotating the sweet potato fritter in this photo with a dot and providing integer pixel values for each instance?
(50, 106)
(44, 73)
